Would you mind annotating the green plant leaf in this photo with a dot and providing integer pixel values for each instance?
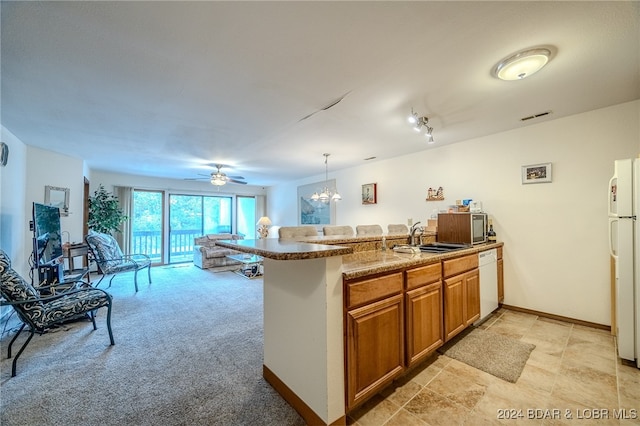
(105, 215)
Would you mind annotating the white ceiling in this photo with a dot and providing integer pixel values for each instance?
(161, 88)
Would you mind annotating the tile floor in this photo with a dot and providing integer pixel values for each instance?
(572, 376)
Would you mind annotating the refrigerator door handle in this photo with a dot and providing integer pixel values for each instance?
(610, 200)
(611, 252)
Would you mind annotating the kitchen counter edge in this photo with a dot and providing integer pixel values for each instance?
(272, 248)
(368, 263)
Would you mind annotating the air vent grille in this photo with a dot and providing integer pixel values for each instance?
(531, 117)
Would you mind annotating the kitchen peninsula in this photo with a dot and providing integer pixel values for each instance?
(308, 300)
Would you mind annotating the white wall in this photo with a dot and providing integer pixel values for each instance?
(13, 217)
(49, 168)
(555, 234)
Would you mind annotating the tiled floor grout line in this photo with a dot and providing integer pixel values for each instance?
(564, 350)
(410, 399)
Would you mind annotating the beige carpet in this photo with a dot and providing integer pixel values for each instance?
(501, 356)
(188, 352)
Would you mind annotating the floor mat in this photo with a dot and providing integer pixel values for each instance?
(501, 356)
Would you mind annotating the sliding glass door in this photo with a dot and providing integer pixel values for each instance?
(191, 216)
(188, 217)
(147, 223)
(246, 222)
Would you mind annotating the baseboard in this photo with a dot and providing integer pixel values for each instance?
(557, 317)
(309, 416)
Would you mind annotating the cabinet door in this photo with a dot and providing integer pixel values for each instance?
(472, 296)
(500, 281)
(375, 347)
(454, 309)
(424, 321)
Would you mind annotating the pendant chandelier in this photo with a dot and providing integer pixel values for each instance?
(326, 195)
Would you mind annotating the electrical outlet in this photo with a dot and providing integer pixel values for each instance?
(410, 222)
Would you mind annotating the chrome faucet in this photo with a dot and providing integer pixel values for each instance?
(412, 232)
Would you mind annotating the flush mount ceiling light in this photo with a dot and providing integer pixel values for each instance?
(326, 193)
(421, 124)
(522, 64)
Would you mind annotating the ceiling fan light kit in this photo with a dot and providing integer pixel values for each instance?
(219, 178)
(522, 64)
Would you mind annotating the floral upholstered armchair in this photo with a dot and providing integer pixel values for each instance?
(41, 312)
(110, 259)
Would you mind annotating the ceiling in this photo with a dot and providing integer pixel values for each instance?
(163, 88)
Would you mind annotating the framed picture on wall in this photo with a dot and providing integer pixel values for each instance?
(536, 173)
(312, 212)
(370, 193)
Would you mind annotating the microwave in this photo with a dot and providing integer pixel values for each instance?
(462, 228)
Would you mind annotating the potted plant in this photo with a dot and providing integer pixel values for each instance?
(105, 215)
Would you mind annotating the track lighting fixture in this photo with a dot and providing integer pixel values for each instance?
(421, 124)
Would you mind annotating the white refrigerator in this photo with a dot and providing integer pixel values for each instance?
(624, 245)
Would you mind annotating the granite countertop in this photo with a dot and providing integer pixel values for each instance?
(354, 264)
(272, 248)
(362, 264)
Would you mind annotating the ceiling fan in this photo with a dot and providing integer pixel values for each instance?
(218, 178)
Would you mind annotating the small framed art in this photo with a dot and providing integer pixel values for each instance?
(536, 173)
(370, 193)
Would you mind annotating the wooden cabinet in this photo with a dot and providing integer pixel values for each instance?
(472, 299)
(423, 304)
(500, 276)
(374, 335)
(424, 332)
(461, 294)
(375, 347)
(394, 321)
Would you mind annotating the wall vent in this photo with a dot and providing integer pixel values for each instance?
(531, 117)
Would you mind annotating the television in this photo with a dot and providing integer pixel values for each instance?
(47, 235)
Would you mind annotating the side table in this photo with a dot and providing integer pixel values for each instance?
(71, 252)
(250, 265)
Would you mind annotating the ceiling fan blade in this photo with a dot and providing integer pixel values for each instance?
(202, 178)
(235, 177)
(236, 181)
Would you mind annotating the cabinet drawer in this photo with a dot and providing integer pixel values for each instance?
(459, 265)
(424, 275)
(361, 292)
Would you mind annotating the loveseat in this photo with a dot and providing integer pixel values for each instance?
(208, 255)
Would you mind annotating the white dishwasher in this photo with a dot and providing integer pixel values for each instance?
(488, 264)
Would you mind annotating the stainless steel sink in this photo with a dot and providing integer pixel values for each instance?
(441, 247)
